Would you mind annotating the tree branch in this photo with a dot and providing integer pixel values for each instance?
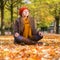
(5, 2)
(7, 8)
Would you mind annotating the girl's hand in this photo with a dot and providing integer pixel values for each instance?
(40, 33)
(16, 34)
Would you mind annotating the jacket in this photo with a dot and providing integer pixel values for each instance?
(19, 26)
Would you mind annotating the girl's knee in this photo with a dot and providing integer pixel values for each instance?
(38, 37)
(17, 39)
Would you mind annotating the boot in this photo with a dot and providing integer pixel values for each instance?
(39, 43)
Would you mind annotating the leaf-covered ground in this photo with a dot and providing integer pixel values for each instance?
(50, 50)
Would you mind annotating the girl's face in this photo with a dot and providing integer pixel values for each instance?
(25, 13)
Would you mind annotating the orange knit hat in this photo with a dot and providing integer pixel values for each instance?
(21, 10)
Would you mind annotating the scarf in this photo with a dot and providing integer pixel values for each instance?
(27, 28)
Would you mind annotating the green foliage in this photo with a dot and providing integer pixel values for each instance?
(42, 10)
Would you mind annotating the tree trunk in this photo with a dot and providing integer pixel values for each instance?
(11, 17)
(56, 25)
(2, 17)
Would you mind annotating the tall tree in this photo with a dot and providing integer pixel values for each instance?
(11, 4)
(2, 4)
(55, 11)
(57, 15)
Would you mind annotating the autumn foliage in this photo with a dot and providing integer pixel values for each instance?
(49, 51)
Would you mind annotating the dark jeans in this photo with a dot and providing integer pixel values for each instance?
(34, 38)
